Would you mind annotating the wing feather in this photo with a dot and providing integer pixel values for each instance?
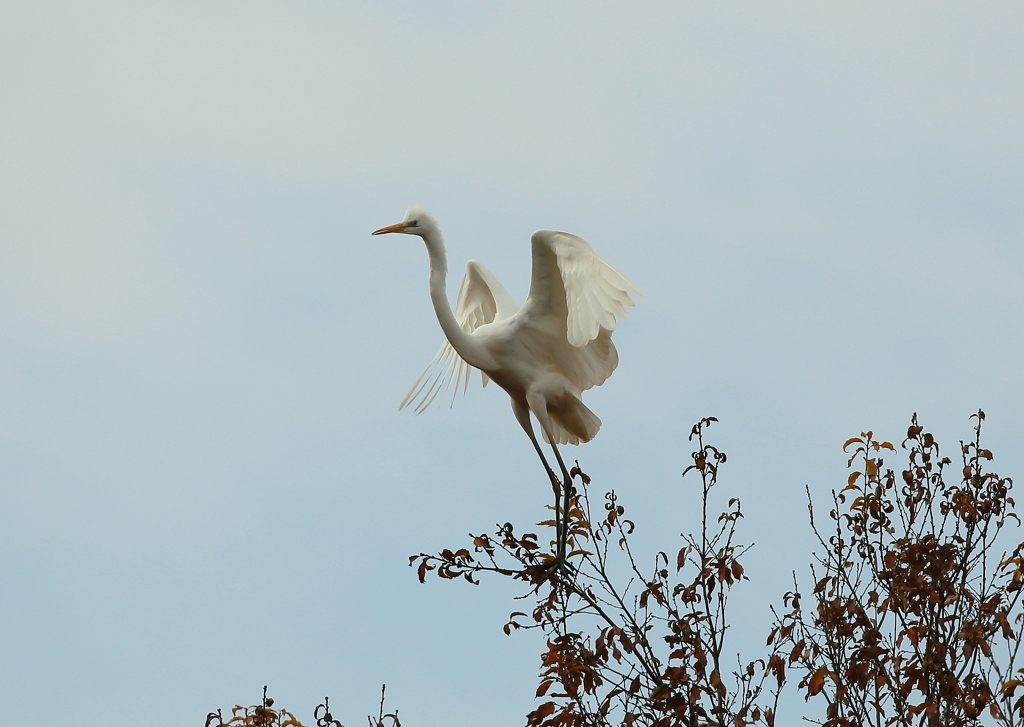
(482, 299)
(595, 293)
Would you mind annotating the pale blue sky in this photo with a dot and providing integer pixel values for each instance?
(205, 481)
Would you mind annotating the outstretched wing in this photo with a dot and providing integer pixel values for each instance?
(482, 299)
(569, 276)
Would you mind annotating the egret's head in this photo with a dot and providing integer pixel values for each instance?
(417, 221)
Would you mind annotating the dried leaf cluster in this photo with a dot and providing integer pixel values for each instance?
(916, 617)
(263, 715)
(628, 645)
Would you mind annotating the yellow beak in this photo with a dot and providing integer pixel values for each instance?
(391, 228)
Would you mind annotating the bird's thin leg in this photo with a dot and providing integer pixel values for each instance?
(522, 413)
(558, 456)
(567, 493)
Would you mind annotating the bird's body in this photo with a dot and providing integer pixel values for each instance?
(544, 354)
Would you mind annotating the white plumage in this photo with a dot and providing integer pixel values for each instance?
(544, 354)
(482, 299)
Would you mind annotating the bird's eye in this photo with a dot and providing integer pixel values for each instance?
(412, 223)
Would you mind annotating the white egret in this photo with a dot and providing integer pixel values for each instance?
(545, 354)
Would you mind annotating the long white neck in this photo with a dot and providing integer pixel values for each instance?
(465, 344)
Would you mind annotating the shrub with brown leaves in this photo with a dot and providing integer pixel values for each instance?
(916, 618)
(627, 645)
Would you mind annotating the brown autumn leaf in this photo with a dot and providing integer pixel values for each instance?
(817, 681)
(1010, 687)
(716, 682)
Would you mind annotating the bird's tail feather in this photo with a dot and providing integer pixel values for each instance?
(571, 421)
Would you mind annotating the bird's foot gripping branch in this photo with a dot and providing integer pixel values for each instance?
(628, 644)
